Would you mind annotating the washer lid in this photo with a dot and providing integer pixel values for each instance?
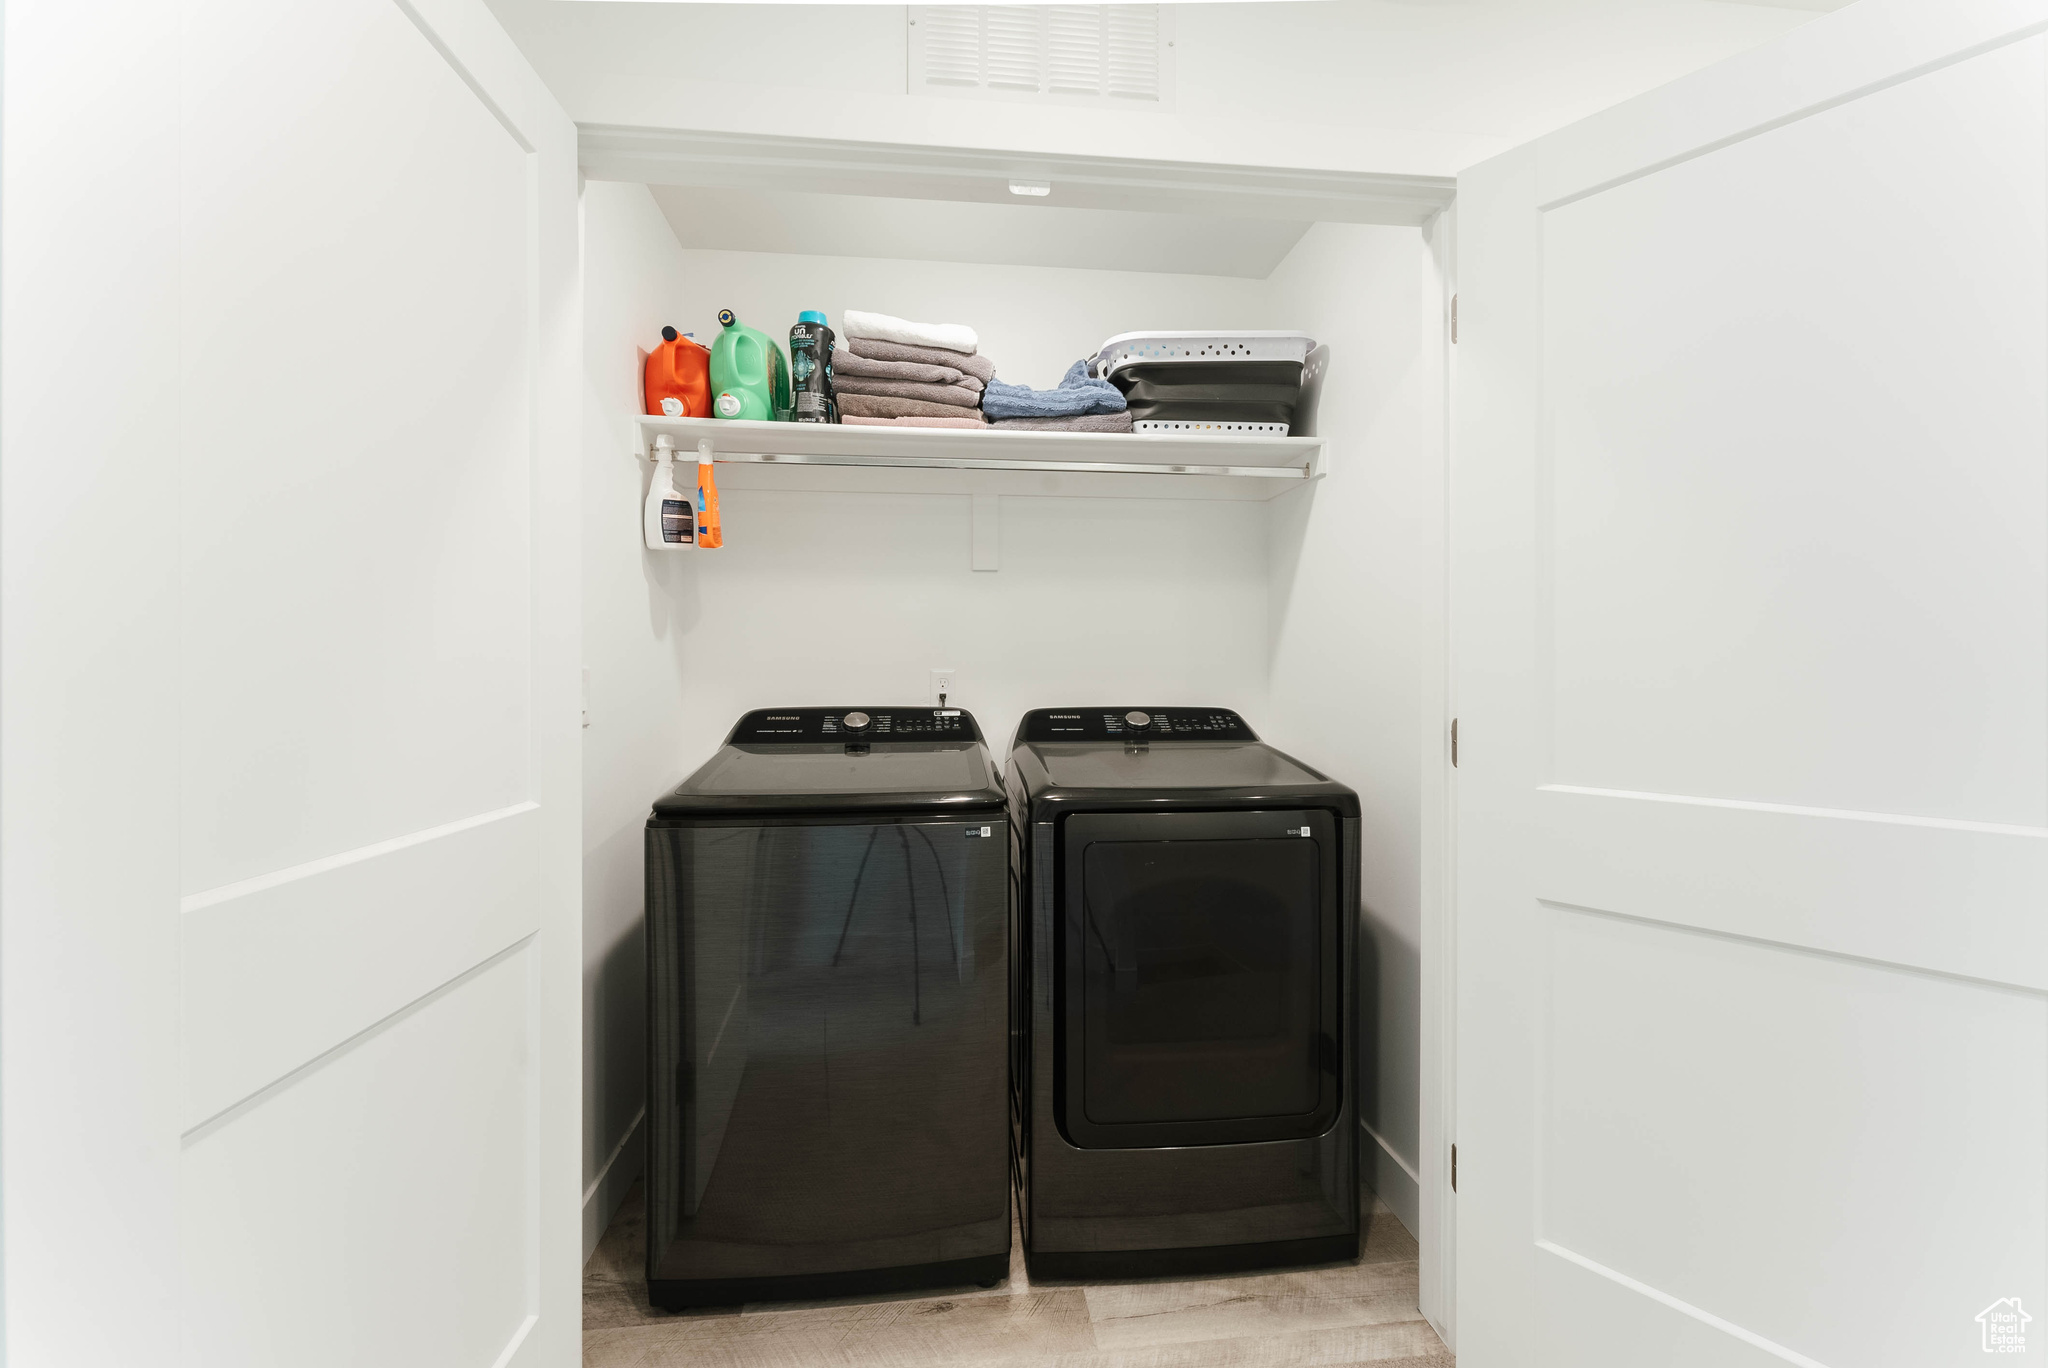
(1170, 765)
(1142, 756)
(807, 760)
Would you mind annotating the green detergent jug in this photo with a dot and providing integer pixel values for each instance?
(749, 375)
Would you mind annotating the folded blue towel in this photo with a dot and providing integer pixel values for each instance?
(1076, 395)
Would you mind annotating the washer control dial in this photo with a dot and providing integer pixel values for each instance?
(1138, 719)
(856, 721)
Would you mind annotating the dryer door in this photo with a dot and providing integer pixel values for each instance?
(1200, 1000)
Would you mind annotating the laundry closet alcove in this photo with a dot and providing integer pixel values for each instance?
(1294, 579)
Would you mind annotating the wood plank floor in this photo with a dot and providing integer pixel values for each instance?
(1323, 1317)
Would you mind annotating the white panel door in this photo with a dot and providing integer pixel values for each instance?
(289, 755)
(1751, 508)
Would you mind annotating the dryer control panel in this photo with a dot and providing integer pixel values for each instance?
(814, 726)
(1129, 723)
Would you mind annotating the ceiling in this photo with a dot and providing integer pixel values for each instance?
(1024, 234)
(802, 138)
(1391, 87)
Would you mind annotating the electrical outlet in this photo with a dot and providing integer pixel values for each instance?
(942, 688)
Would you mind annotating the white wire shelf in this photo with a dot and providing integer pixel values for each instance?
(836, 457)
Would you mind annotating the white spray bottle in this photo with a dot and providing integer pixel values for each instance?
(669, 521)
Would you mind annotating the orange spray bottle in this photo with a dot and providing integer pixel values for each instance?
(710, 532)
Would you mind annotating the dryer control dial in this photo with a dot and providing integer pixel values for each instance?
(1138, 719)
(856, 721)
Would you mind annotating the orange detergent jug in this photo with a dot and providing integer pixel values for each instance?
(678, 381)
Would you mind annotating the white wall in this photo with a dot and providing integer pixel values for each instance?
(854, 598)
(1356, 623)
(1034, 321)
(635, 744)
(820, 598)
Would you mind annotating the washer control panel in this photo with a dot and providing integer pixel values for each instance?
(1133, 724)
(812, 726)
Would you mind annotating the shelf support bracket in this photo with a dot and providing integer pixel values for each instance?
(986, 519)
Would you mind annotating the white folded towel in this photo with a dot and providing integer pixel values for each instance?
(952, 336)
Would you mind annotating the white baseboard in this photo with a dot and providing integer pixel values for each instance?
(601, 1199)
(1389, 1176)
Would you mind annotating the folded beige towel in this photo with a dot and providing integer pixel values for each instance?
(916, 422)
(952, 336)
(874, 349)
(888, 406)
(845, 362)
(1086, 422)
(908, 389)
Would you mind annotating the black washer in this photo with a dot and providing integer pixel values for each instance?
(827, 1020)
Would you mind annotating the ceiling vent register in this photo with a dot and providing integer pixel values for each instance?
(1061, 54)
